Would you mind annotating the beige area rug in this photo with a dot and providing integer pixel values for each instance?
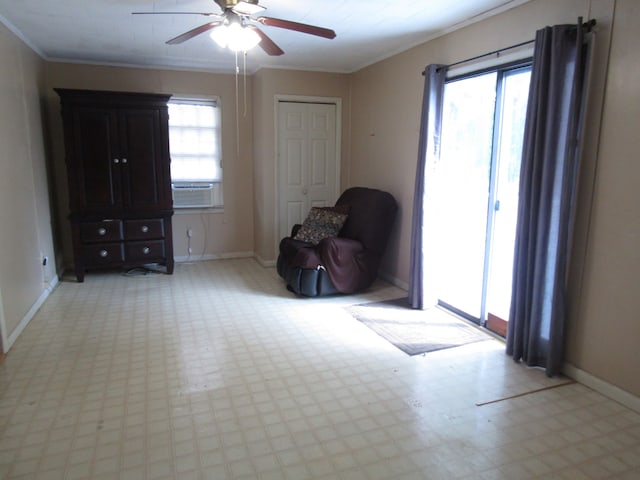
(415, 331)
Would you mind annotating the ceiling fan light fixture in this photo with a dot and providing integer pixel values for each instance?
(235, 37)
(220, 35)
(248, 8)
(243, 40)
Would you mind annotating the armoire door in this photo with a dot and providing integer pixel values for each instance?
(96, 160)
(308, 170)
(141, 144)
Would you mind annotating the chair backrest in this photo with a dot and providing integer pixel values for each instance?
(371, 216)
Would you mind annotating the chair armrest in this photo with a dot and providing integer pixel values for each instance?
(295, 229)
(345, 261)
(339, 248)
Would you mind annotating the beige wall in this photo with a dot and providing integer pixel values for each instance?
(604, 302)
(605, 329)
(217, 234)
(267, 84)
(387, 100)
(25, 220)
(223, 233)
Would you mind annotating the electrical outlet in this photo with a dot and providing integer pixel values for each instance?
(189, 232)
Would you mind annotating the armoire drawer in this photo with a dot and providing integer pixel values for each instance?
(142, 229)
(102, 231)
(97, 254)
(145, 251)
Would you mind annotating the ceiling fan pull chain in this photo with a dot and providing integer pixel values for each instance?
(244, 79)
(237, 109)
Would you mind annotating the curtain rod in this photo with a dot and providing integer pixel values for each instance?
(588, 25)
(495, 52)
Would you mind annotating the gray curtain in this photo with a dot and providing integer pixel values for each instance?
(428, 153)
(548, 184)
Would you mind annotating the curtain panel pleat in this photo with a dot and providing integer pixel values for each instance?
(420, 290)
(548, 184)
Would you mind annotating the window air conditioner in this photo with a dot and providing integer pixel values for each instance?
(196, 195)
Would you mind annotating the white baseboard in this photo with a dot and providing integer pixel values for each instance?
(394, 281)
(217, 256)
(605, 388)
(11, 339)
(263, 262)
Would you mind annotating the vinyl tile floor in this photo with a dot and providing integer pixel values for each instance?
(218, 372)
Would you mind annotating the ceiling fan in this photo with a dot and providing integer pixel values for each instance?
(236, 28)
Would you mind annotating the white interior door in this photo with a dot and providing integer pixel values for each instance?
(307, 161)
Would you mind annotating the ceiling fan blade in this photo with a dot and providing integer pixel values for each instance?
(266, 43)
(193, 33)
(298, 27)
(206, 14)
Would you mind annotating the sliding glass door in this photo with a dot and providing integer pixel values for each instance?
(476, 195)
(508, 152)
(463, 185)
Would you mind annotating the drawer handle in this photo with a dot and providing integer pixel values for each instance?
(104, 253)
(116, 161)
(144, 229)
(146, 250)
(102, 231)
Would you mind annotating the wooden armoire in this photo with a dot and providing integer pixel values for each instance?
(117, 157)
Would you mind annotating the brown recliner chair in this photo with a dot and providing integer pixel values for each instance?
(345, 263)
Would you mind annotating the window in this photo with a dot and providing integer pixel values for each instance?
(478, 177)
(196, 152)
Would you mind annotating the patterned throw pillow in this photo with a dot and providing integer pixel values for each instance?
(322, 222)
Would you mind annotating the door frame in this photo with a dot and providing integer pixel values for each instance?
(337, 102)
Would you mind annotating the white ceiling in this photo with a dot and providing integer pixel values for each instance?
(105, 31)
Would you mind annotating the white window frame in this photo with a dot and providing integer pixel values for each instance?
(199, 192)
